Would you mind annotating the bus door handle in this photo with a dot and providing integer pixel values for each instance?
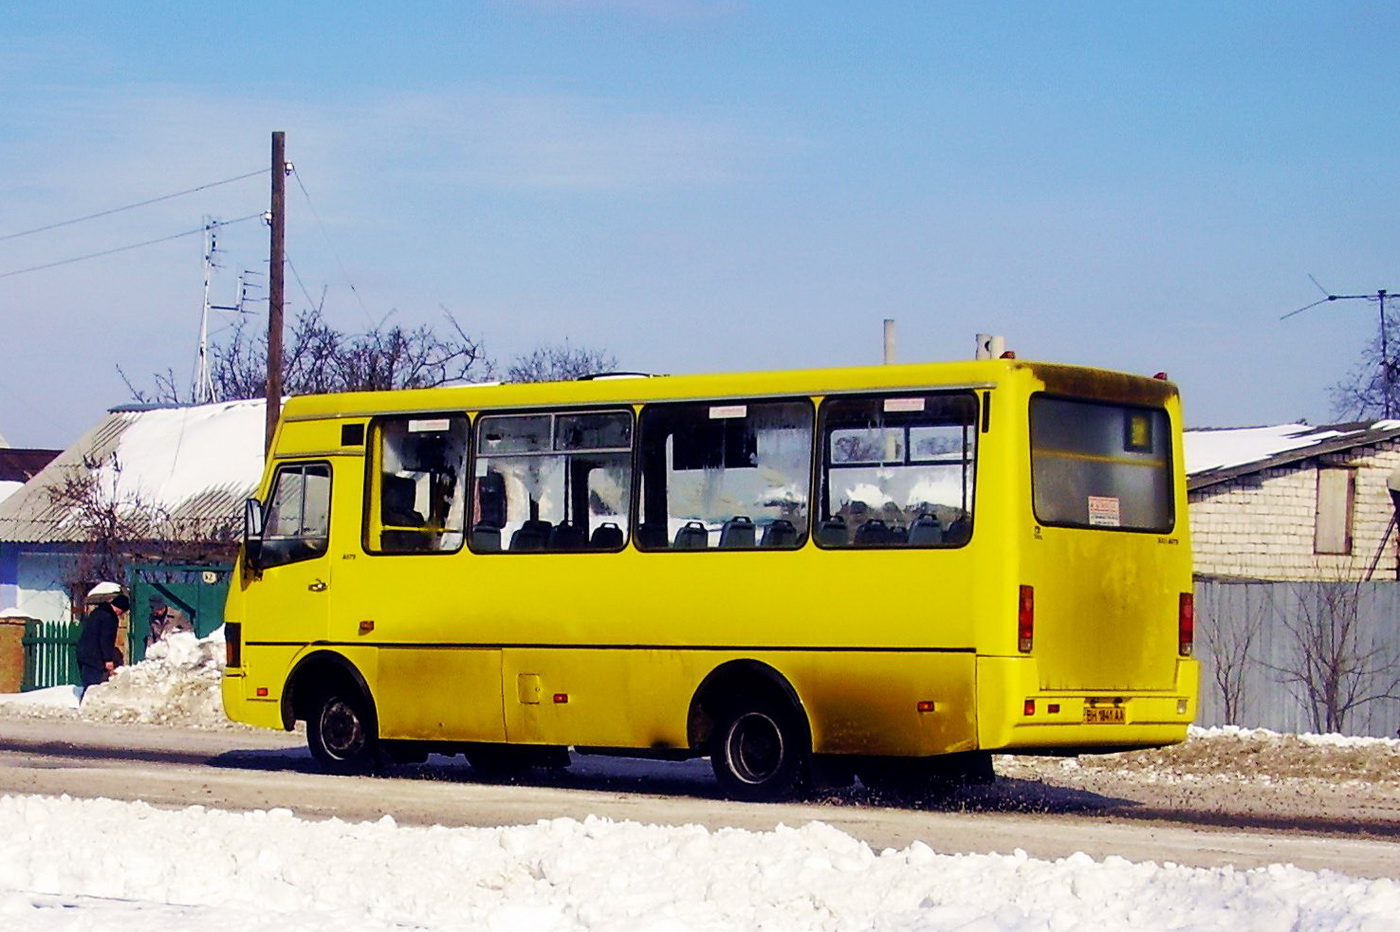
(317, 586)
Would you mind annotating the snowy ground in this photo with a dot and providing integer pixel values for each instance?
(87, 864)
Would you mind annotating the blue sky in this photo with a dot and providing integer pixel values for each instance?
(698, 185)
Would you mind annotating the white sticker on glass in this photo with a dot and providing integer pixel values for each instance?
(428, 426)
(726, 411)
(1103, 511)
(904, 404)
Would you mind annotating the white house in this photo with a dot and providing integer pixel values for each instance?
(190, 466)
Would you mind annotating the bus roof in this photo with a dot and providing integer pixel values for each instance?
(1056, 377)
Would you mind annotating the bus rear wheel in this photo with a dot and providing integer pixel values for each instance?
(337, 732)
(759, 753)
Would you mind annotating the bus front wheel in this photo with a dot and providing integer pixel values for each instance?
(338, 734)
(759, 753)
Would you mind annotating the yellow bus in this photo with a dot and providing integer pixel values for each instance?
(888, 572)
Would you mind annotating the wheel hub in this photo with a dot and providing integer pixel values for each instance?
(756, 748)
(341, 730)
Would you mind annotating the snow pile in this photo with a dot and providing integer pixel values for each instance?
(1253, 755)
(177, 683)
(55, 702)
(72, 864)
(1264, 734)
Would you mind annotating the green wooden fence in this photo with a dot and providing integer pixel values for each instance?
(50, 654)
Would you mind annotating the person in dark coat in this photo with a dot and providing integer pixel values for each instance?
(97, 640)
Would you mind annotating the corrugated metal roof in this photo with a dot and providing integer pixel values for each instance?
(1218, 455)
(190, 467)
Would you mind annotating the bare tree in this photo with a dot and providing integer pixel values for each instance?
(1372, 387)
(317, 358)
(560, 362)
(1336, 669)
(1230, 641)
(121, 528)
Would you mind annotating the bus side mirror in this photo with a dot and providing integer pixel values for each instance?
(252, 533)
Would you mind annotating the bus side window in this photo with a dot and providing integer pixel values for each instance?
(297, 524)
(725, 475)
(898, 471)
(552, 482)
(418, 485)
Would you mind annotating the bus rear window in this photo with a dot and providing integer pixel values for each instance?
(1096, 465)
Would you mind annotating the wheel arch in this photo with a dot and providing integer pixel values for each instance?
(733, 681)
(309, 678)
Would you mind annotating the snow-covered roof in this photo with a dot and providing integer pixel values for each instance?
(192, 465)
(1215, 455)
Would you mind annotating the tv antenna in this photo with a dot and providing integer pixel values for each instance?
(203, 382)
(1379, 296)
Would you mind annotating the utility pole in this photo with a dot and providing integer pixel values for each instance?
(889, 341)
(203, 384)
(275, 261)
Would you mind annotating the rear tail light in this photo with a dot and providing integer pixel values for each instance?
(233, 644)
(1186, 624)
(1025, 620)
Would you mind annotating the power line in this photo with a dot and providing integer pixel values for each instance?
(310, 302)
(117, 210)
(108, 252)
(353, 290)
(1387, 367)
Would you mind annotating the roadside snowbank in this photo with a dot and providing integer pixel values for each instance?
(71, 864)
(1264, 734)
(177, 684)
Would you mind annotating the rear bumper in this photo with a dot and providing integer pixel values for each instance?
(1015, 715)
(239, 706)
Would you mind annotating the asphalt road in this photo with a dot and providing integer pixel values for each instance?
(242, 770)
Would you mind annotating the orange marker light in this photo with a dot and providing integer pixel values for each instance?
(561, 698)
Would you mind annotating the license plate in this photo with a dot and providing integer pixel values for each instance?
(1104, 715)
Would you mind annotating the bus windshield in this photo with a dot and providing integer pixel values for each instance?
(1096, 465)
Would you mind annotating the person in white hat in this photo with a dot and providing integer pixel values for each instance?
(97, 640)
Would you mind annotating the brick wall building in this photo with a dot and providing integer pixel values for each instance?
(1294, 502)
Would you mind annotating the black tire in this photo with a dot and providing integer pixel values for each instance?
(339, 731)
(760, 752)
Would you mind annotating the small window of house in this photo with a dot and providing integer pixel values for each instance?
(1336, 492)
